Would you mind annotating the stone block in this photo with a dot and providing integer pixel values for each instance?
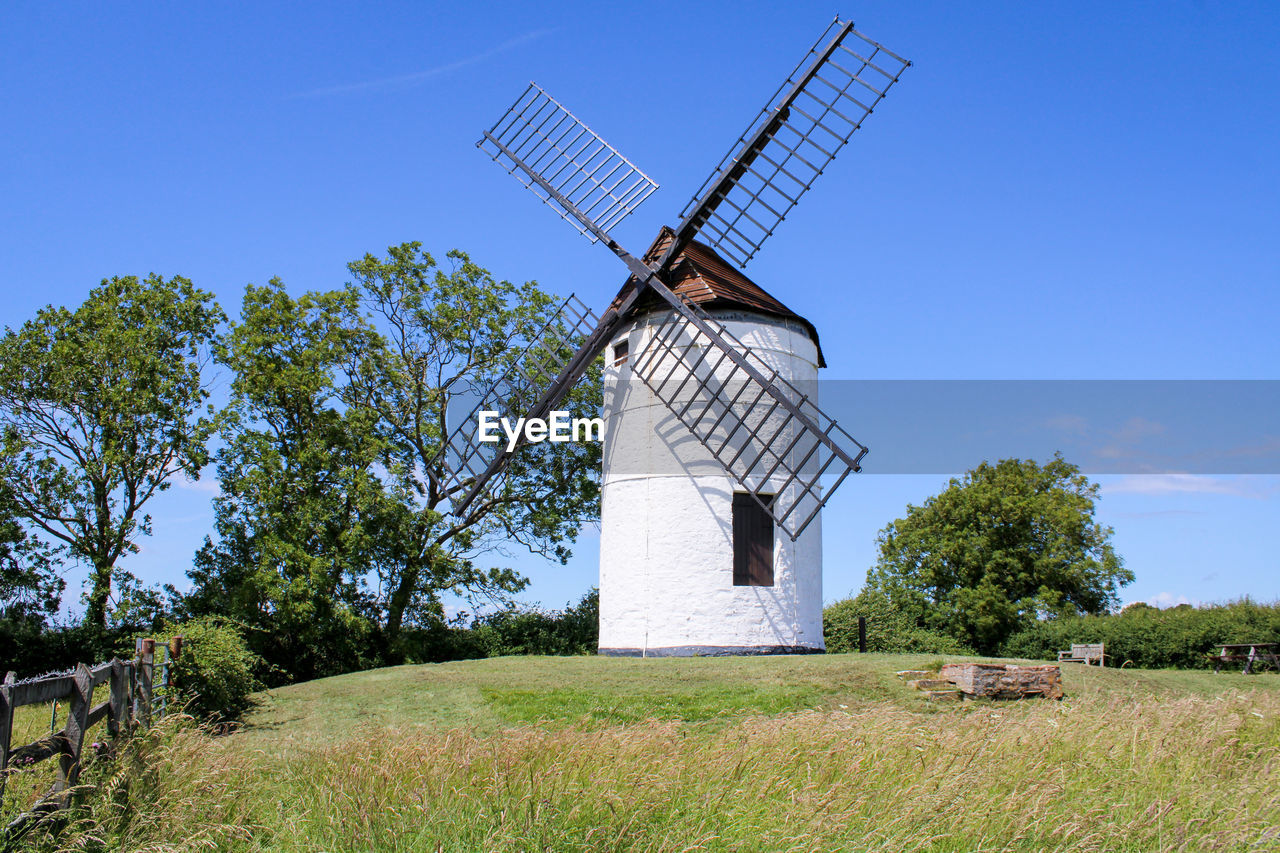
(952, 695)
(1004, 681)
(931, 684)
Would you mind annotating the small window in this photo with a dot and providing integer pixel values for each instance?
(752, 540)
(620, 352)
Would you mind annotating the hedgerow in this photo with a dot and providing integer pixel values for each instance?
(1144, 636)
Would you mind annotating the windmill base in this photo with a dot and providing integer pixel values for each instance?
(710, 651)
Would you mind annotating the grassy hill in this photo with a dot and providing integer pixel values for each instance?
(795, 753)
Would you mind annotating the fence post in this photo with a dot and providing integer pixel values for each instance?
(171, 652)
(118, 712)
(164, 680)
(146, 677)
(175, 652)
(77, 722)
(131, 673)
(862, 633)
(6, 727)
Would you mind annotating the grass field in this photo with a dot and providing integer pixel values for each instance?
(804, 753)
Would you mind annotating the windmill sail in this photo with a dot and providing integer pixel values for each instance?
(789, 444)
(793, 139)
(465, 459)
(593, 186)
(763, 430)
(566, 164)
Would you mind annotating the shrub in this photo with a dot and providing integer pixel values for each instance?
(436, 642)
(889, 630)
(532, 631)
(29, 647)
(216, 672)
(517, 630)
(1147, 637)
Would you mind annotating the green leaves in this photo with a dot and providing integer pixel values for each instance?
(889, 630)
(333, 531)
(29, 583)
(1005, 544)
(442, 337)
(1145, 636)
(100, 407)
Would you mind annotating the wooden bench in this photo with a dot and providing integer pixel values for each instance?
(1085, 653)
(1250, 653)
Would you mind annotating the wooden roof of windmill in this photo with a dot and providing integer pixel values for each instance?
(700, 275)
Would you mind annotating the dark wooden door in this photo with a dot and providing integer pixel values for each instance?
(752, 541)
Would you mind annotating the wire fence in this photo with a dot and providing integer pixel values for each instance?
(130, 704)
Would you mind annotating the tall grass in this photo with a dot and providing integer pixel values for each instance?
(1113, 772)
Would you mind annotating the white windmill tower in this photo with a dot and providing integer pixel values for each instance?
(689, 563)
(717, 459)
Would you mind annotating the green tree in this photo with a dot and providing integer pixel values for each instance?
(334, 529)
(100, 407)
(1002, 546)
(524, 630)
(444, 336)
(298, 488)
(30, 588)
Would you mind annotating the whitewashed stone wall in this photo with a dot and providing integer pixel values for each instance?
(666, 547)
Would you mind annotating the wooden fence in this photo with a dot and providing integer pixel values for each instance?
(129, 704)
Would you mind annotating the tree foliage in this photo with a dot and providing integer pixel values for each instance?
(444, 338)
(334, 528)
(1003, 545)
(298, 487)
(889, 630)
(534, 631)
(1148, 637)
(30, 588)
(99, 408)
(216, 673)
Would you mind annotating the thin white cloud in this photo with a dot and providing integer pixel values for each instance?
(1267, 447)
(1168, 599)
(1070, 424)
(1191, 484)
(1137, 428)
(206, 484)
(1162, 513)
(427, 74)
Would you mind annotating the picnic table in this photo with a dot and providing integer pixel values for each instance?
(1250, 653)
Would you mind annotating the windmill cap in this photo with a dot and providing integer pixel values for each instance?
(700, 275)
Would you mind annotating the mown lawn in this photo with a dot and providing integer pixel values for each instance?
(787, 753)
(487, 695)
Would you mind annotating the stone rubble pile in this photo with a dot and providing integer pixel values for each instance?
(1004, 681)
(994, 681)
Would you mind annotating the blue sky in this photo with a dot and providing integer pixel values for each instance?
(1053, 191)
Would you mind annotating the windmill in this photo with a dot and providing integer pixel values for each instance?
(715, 443)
